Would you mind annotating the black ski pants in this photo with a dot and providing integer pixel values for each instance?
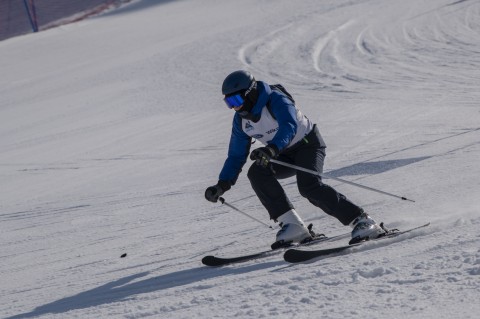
(310, 154)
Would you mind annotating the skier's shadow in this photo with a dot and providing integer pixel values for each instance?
(127, 287)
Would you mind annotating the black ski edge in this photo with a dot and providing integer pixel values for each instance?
(295, 255)
(298, 255)
(214, 261)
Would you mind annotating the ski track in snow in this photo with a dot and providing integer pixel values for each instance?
(112, 128)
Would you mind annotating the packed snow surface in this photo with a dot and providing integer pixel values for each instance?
(112, 128)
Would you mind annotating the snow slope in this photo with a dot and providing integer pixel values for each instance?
(112, 128)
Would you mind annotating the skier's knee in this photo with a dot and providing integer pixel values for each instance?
(256, 171)
(306, 188)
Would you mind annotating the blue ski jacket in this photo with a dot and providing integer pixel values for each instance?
(281, 125)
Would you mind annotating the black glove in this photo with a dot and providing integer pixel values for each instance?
(263, 155)
(214, 192)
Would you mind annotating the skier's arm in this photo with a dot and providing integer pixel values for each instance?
(238, 150)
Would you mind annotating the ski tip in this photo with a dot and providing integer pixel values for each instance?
(294, 256)
(210, 261)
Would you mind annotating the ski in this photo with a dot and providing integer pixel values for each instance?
(215, 261)
(297, 255)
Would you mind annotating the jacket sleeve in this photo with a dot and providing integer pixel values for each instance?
(286, 116)
(238, 151)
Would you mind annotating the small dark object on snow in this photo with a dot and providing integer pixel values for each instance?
(123, 255)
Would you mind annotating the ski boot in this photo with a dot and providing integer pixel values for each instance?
(365, 228)
(292, 230)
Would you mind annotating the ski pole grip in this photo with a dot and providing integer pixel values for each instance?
(222, 200)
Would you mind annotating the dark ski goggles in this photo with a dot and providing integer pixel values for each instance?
(234, 101)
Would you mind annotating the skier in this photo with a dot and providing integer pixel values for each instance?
(269, 114)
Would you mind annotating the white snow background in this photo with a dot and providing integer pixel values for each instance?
(112, 128)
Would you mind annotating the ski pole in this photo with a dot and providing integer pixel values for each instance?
(338, 179)
(222, 200)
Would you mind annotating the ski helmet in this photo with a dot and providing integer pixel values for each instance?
(244, 83)
(236, 82)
